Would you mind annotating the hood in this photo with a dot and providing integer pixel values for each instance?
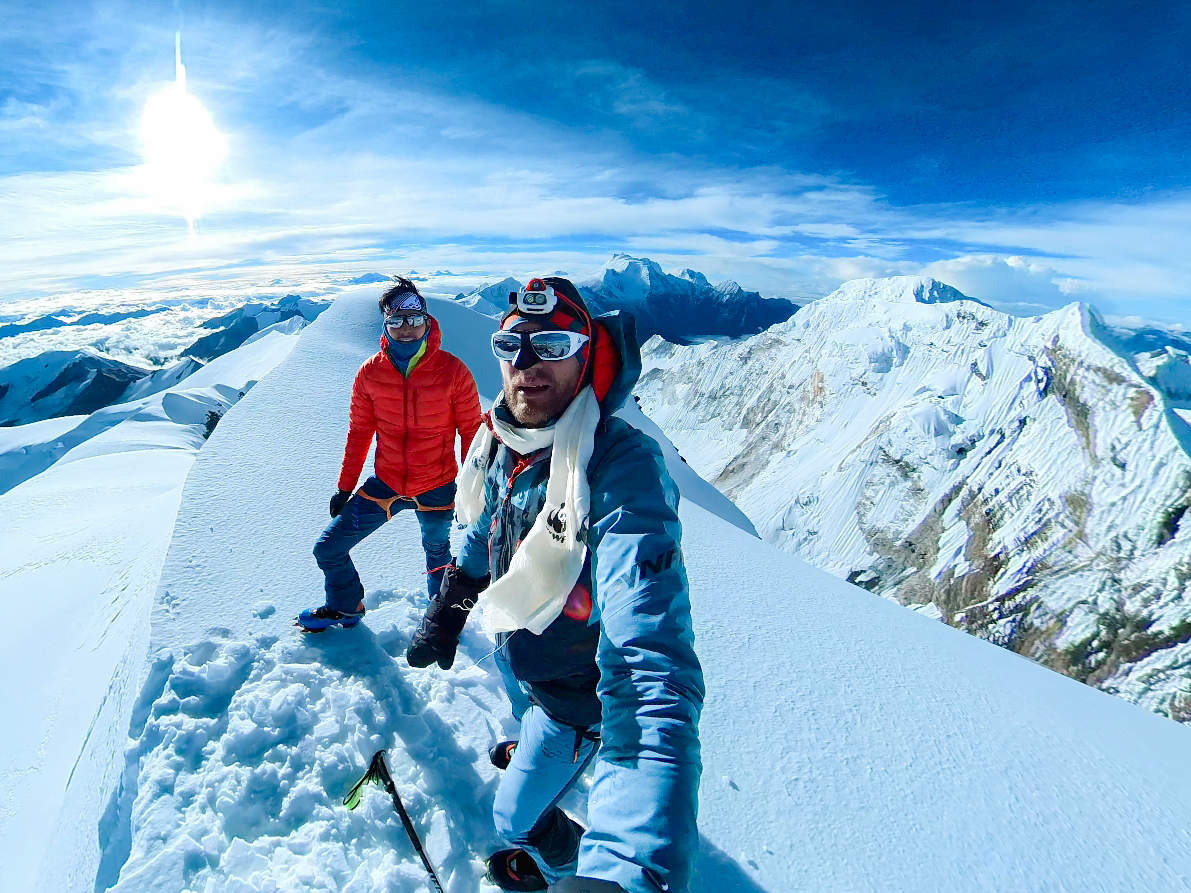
(618, 360)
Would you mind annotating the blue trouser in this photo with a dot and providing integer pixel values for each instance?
(549, 758)
(362, 516)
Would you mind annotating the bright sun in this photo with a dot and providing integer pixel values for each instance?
(182, 147)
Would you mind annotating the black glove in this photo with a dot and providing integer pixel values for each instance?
(338, 501)
(584, 885)
(438, 636)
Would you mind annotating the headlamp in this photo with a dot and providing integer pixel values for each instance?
(536, 299)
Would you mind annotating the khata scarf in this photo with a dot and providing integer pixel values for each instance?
(547, 564)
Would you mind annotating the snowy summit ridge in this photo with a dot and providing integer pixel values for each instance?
(900, 289)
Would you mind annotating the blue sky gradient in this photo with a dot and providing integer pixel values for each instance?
(1030, 155)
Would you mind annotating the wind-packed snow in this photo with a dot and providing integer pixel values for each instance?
(848, 744)
(83, 547)
(26, 450)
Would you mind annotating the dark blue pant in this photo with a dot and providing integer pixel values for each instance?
(362, 516)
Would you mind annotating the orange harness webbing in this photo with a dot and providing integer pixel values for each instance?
(387, 504)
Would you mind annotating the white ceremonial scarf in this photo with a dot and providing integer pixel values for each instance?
(547, 564)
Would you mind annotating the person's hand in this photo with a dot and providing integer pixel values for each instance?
(338, 501)
(584, 885)
(438, 636)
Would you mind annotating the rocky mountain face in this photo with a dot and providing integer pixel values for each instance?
(1014, 477)
(683, 308)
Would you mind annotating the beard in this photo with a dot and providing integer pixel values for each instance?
(535, 407)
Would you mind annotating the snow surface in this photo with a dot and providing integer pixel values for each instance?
(81, 557)
(848, 744)
(26, 450)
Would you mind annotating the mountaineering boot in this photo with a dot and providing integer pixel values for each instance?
(501, 753)
(317, 619)
(515, 870)
(438, 636)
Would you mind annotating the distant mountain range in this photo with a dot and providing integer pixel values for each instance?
(1025, 479)
(234, 328)
(682, 309)
(55, 321)
(78, 382)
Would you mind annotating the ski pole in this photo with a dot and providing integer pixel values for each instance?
(378, 771)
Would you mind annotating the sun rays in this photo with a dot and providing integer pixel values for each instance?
(181, 146)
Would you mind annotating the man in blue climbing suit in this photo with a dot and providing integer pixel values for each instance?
(573, 554)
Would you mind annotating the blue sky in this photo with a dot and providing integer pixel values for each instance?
(1028, 154)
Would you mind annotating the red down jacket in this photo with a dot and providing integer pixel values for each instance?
(414, 419)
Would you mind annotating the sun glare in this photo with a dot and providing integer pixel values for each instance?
(182, 147)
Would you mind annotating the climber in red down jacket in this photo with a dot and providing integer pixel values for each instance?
(413, 397)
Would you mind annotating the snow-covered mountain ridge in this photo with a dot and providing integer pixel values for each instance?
(78, 382)
(62, 382)
(1014, 476)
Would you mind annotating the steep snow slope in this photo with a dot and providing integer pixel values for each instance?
(80, 560)
(1016, 475)
(26, 450)
(848, 744)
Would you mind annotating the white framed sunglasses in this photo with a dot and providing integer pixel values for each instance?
(550, 345)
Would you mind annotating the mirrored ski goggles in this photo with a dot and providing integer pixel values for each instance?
(397, 320)
(550, 345)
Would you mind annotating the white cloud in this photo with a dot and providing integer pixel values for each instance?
(1003, 280)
